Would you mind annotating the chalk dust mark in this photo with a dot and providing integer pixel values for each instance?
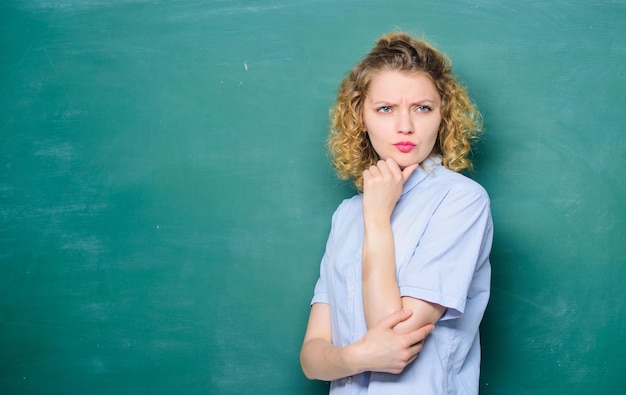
(51, 63)
(526, 301)
(62, 151)
(4, 91)
(90, 244)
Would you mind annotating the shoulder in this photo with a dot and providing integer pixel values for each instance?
(348, 209)
(457, 183)
(443, 190)
(433, 180)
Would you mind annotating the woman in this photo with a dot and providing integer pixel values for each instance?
(411, 250)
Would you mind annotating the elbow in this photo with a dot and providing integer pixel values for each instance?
(308, 373)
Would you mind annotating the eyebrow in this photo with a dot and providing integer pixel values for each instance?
(388, 102)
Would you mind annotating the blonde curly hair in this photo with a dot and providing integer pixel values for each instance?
(349, 145)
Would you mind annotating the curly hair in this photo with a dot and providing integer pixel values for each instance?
(348, 143)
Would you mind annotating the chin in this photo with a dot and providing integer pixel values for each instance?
(404, 162)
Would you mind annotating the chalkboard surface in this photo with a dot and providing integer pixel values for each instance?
(165, 194)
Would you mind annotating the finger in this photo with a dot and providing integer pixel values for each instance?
(370, 173)
(420, 334)
(366, 174)
(374, 171)
(415, 350)
(383, 168)
(393, 166)
(407, 171)
(395, 318)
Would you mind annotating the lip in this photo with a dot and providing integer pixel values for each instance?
(404, 146)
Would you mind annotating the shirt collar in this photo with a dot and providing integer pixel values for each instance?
(424, 170)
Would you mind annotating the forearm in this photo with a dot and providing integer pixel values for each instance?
(381, 294)
(382, 188)
(321, 360)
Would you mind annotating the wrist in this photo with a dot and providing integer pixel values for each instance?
(352, 357)
(377, 220)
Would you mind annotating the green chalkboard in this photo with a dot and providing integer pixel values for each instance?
(165, 194)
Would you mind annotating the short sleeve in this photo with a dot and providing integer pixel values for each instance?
(320, 293)
(454, 246)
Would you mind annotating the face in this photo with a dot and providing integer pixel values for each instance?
(401, 114)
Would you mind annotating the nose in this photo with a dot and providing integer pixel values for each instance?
(404, 124)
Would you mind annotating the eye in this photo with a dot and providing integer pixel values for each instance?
(423, 108)
(384, 109)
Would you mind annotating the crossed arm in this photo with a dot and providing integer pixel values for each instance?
(397, 326)
(382, 349)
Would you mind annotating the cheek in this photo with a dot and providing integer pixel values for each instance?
(367, 123)
(372, 129)
(436, 127)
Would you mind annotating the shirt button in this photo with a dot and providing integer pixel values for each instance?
(350, 380)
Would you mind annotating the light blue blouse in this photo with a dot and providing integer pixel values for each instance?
(442, 231)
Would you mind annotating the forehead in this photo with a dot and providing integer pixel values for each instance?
(391, 84)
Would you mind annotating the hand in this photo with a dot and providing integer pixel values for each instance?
(384, 350)
(382, 186)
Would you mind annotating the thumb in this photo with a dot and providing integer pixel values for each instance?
(407, 171)
(395, 318)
